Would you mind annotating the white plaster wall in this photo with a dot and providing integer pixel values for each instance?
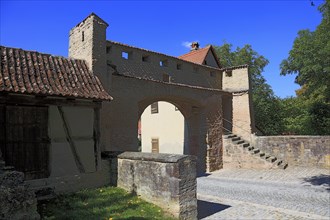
(167, 125)
(80, 121)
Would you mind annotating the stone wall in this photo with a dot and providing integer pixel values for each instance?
(17, 201)
(167, 180)
(235, 156)
(297, 150)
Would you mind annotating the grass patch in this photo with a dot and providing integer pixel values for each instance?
(100, 204)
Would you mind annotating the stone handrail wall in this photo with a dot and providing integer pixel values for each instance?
(166, 180)
(297, 150)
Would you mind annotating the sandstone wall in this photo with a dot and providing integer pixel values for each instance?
(298, 150)
(238, 157)
(167, 180)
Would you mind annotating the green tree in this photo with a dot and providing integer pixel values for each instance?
(266, 105)
(309, 59)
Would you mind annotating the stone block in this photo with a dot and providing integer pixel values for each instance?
(166, 180)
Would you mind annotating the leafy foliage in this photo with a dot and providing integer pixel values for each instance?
(266, 104)
(309, 59)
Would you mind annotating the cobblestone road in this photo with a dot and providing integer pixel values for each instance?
(294, 193)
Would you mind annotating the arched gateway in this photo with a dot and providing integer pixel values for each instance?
(137, 78)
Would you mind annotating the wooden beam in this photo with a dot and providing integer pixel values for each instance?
(97, 135)
(71, 142)
(15, 99)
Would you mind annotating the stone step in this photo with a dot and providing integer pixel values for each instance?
(238, 142)
(255, 151)
(235, 138)
(271, 159)
(250, 148)
(279, 162)
(245, 145)
(262, 154)
(283, 166)
(229, 136)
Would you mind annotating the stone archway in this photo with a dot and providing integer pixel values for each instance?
(194, 115)
(162, 129)
(202, 109)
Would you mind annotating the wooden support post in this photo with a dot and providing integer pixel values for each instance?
(71, 142)
(96, 136)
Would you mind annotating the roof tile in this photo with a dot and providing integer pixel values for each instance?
(29, 72)
(198, 56)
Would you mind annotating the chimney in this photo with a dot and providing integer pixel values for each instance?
(194, 46)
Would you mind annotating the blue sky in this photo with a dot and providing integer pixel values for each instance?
(163, 26)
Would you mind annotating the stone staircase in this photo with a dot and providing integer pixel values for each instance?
(271, 160)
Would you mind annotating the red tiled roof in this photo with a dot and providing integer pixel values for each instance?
(198, 56)
(29, 72)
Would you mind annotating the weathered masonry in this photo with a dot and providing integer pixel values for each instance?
(50, 117)
(195, 83)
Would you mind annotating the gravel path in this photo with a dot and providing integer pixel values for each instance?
(295, 193)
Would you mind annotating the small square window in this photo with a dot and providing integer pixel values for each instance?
(145, 58)
(178, 66)
(125, 55)
(163, 63)
(229, 73)
(212, 74)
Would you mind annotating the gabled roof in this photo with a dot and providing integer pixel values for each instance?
(199, 56)
(30, 72)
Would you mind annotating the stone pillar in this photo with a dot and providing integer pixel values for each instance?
(196, 146)
(214, 134)
(167, 180)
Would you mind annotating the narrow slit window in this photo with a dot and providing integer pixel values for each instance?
(212, 74)
(178, 66)
(108, 49)
(154, 108)
(83, 36)
(154, 145)
(163, 63)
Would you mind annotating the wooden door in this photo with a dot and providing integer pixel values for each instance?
(26, 140)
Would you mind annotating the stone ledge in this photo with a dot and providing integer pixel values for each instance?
(155, 157)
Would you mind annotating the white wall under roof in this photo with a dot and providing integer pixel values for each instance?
(167, 125)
